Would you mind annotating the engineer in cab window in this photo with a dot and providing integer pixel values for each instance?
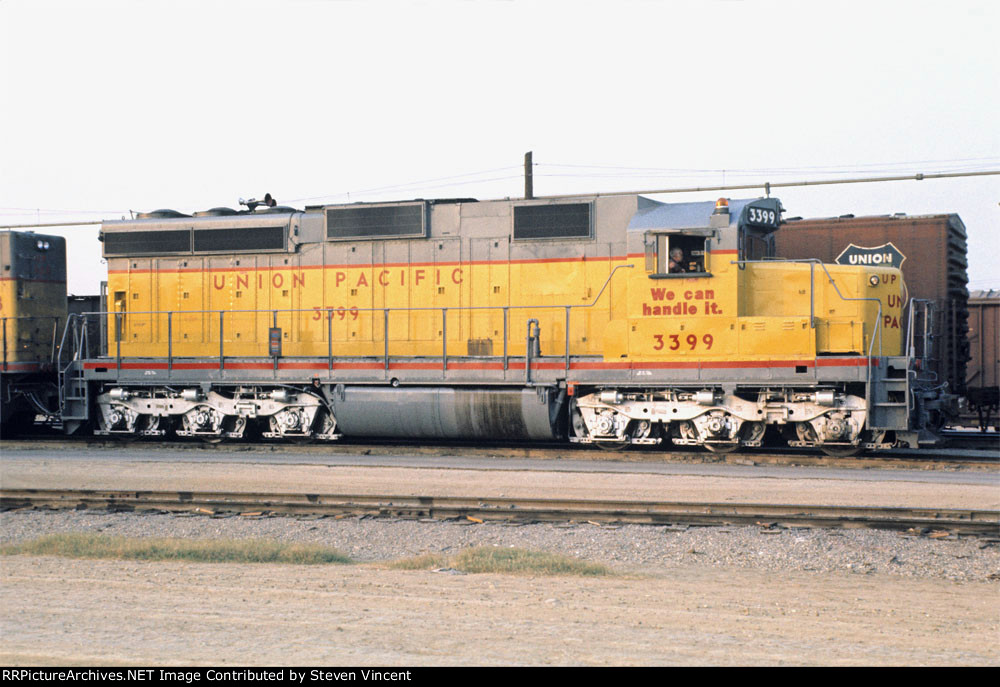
(676, 261)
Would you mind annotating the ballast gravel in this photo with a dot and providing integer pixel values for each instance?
(627, 548)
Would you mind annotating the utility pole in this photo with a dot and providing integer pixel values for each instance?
(528, 190)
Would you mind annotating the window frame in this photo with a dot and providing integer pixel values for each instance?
(654, 239)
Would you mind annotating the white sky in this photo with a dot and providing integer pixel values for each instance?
(112, 106)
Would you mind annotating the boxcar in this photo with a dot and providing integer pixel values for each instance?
(931, 251)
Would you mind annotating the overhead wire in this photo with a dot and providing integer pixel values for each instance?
(393, 187)
(774, 170)
(415, 186)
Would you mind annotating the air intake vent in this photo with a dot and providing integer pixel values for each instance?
(147, 242)
(376, 221)
(240, 240)
(552, 221)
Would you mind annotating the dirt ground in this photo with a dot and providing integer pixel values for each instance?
(58, 611)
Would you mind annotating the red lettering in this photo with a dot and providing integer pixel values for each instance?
(362, 280)
(219, 281)
(691, 340)
(417, 277)
(456, 275)
(341, 276)
(437, 277)
(298, 279)
(657, 294)
(260, 281)
(402, 277)
(277, 280)
(242, 280)
(383, 277)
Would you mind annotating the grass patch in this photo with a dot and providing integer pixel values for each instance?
(427, 561)
(85, 545)
(488, 559)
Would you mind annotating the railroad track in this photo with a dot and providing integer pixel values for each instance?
(966, 439)
(960, 521)
(975, 459)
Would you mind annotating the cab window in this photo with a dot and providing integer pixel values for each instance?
(676, 256)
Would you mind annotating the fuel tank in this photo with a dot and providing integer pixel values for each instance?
(447, 413)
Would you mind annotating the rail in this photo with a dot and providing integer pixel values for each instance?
(532, 343)
(965, 521)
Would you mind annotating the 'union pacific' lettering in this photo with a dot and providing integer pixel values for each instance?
(384, 278)
(242, 280)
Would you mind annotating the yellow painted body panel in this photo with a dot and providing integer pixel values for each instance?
(353, 299)
(32, 314)
(842, 326)
(760, 312)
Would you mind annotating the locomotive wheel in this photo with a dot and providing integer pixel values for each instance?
(806, 432)
(721, 448)
(841, 451)
(867, 437)
(104, 425)
(325, 422)
(579, 428)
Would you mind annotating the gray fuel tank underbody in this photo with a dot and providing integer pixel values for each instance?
(424, 412)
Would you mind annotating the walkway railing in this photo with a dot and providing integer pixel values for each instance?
(256, 319)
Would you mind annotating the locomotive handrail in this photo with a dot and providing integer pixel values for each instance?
(812, 317)
(405, 309)
(119, 317)
(70, 319)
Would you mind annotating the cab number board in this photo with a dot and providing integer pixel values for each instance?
(761, 216)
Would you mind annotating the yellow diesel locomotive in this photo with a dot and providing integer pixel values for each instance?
(607, 319)
(33, 309)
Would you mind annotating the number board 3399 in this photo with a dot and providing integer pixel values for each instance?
(763, 217)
